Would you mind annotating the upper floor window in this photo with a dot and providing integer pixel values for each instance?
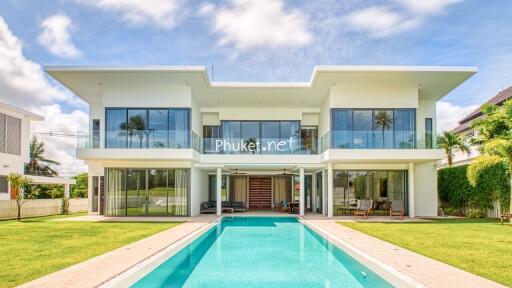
(10, 135)
(147, 128)
(429, 143)
(373, 128)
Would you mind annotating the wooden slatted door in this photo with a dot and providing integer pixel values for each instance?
(260, 192)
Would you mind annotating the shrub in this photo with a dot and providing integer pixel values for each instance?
(475, 213)
(64, 207)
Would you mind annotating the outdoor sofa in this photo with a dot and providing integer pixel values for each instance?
(211, 206)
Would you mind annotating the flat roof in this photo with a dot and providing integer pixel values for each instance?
(433, 82)
(26, 113)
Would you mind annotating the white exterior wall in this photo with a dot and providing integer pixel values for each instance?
(198, 189)
(10, 163)
(425, 189)
(426, 109)
(374, 96)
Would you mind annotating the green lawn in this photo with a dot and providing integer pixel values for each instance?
(480, 246)
(36, 247)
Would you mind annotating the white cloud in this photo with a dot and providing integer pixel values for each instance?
(423, 7)
(382, 21)
(23, 84)
(56, 37)
(161, 13)
(249, 24)
(449, 115)
(23, 81)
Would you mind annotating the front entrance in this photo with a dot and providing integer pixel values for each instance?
(260, 192)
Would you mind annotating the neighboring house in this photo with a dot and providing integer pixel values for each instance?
(160, 137)
(467, 133)
(15, 147)
(14, 143)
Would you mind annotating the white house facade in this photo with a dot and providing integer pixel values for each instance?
(14, 143)
(160, 137)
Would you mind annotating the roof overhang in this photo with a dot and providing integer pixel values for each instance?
(433, 82)
(32, 116)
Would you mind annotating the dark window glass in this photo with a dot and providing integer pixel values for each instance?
(342, 129)
(290, 135)
(179, 123)
(210, 135)
(250, 136)
(308, 137)
(96, 133)
(116, 128)
(428, 133)
(269, 134)
(158, 130)
(3, 185)
(405, 128)
(223, 188)
(362, 127)
(383, 122)
(136, 128)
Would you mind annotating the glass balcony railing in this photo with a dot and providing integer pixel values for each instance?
(376, 139)
(166, 139)
(137, 139)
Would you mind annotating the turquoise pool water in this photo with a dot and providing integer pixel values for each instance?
(261, 252)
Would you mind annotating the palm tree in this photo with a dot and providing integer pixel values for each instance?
(383, 120)
(494, 152)
(136, 126)
(449, 141)
(38, 164)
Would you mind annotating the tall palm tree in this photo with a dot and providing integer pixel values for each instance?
(449, 141)
(385, 121)
(38, 164)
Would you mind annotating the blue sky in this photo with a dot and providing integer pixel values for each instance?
(264, 40)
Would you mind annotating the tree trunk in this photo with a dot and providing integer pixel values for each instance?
(19, 210)
(449, 156)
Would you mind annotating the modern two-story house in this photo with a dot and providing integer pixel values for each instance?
(162, 140)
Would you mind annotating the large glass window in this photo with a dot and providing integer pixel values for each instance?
(210, 136)
(250, 135)
(270, 132)
(147, 128)
(4, 184)
(382, 187)
(147, 192)
(428, 133)
(373, 129)
(308, 138)
(213, 188)
(289, 132)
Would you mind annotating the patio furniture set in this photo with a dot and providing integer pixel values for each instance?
(367, 207)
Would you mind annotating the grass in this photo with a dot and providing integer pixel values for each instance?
(479, 246)
(36, 247)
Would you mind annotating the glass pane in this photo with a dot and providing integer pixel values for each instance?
(405, 127)
(116, 128)
(250, 136)
(136, 192)
(179, 134)
(362, 128)
(210, 135)
(318, 195)
(341, 196)
(158, 128)
(178, 193)
(308, 136)
(157, 192)
(136, 129)
(428, 133)
(289, 137)
(231, 134)
(223, 188)
(341, 129)
(383, 123)
(115, 192)
(269, 137)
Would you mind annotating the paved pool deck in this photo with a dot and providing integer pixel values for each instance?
(424, 271)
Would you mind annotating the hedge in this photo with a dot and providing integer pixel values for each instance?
(456, 192)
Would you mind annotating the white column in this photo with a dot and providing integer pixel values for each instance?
(302, 198)
(90, 192)
(324, 192)
(330, 204)
(313, 193)
(410, 180)
(66, 190)
(219, 187)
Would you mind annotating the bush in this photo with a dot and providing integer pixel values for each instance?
(451, 211)
(475, 213)
(454, 188)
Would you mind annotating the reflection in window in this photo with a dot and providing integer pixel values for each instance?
(158, 129)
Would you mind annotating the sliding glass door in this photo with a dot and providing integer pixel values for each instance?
(147, 192)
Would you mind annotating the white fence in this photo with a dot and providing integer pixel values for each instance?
(39, 207)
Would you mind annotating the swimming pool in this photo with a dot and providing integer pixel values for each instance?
(261, 252)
